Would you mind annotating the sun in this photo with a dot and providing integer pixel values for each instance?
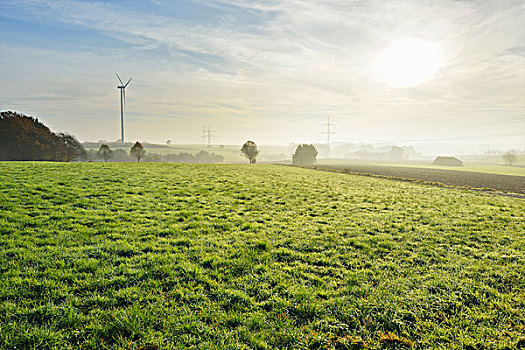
(409, 62)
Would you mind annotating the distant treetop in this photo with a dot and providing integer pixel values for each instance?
(137, 151)
(250, 151)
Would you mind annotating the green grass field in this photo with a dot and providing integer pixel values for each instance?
(168, 256)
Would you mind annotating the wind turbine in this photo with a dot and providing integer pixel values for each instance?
(122, 88)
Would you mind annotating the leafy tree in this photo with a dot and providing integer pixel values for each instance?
(105, 152)
(250, 151)
(510, 157)
(69, 147)
(137, 151)
(304, 155)
(25, 138)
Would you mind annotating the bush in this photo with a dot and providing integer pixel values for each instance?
(304, 155)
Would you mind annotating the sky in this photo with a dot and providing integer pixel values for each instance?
(442, 75)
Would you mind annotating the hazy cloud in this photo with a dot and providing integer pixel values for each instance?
(246, 66)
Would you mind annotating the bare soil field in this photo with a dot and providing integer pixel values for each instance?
(469, 179)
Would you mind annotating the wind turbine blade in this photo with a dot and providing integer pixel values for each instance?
(119, 79)
(128, 82)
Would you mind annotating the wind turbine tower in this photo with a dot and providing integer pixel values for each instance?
(122, 88)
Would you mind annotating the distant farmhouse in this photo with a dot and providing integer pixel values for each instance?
(448, 161)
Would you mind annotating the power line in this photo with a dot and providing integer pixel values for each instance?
(328, 133)
(447, 139)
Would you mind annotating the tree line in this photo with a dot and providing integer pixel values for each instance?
(305, 154)
(138, 153)
(25, 138)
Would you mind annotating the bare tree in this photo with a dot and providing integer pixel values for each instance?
(510, 157)
(105, 152)
(250, 151)
(137, 151)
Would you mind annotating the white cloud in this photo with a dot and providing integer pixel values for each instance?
(297, 63)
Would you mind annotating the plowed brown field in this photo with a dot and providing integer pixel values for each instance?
(496, 182)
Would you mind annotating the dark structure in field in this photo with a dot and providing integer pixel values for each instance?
(448, 161)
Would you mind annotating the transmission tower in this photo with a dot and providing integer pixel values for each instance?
(207, 135)
(328, 133)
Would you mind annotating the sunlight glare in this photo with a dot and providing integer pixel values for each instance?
(409, 62)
